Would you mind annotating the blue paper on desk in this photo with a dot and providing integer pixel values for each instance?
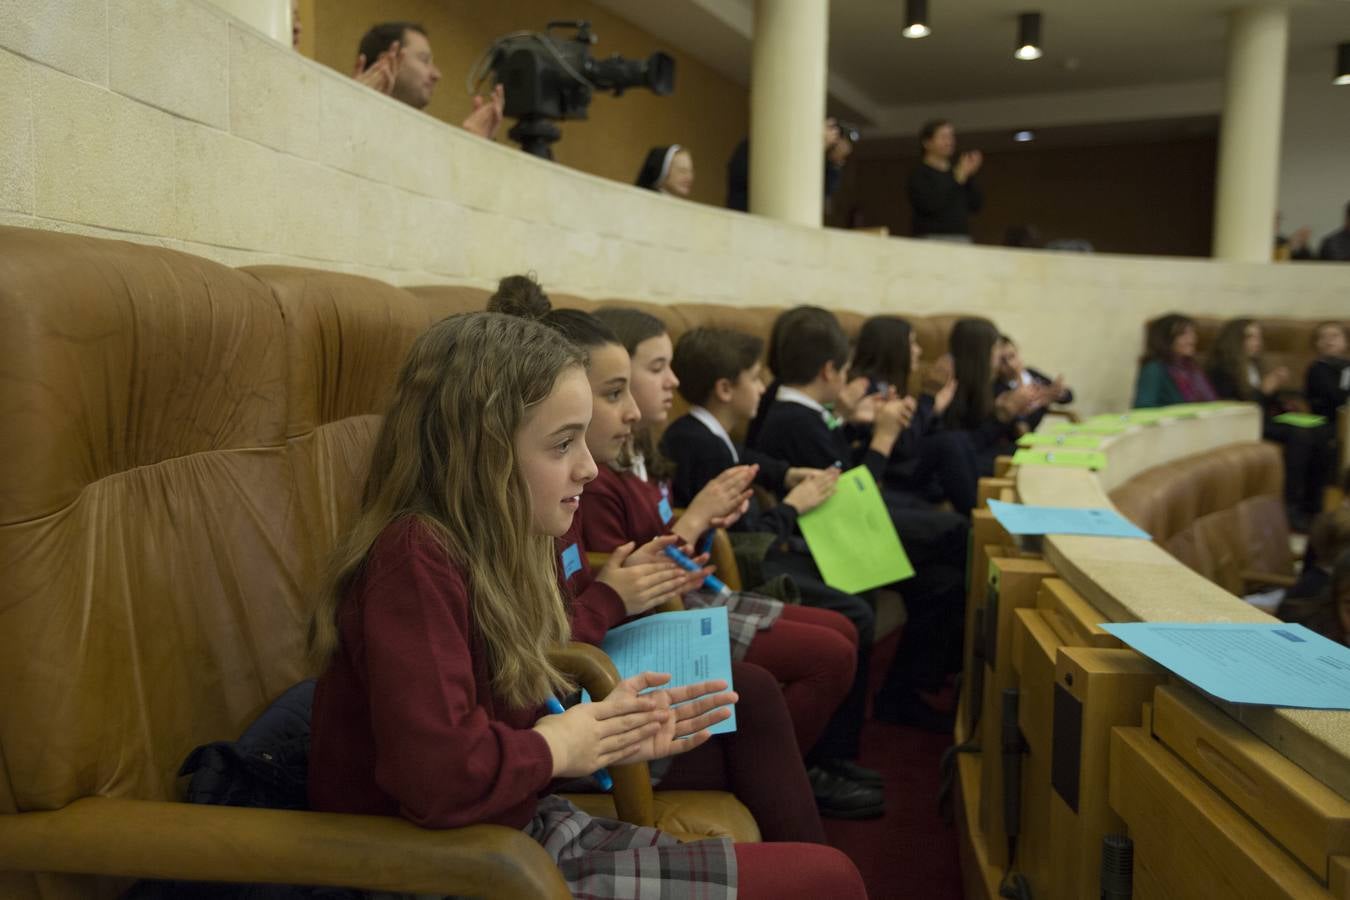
(1267, 664)
(692, 645)
(1019, 519)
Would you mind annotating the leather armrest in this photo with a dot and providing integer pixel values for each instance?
(724, 558)
(593, 670)
(150, 839)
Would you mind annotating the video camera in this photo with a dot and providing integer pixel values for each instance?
(550, 78)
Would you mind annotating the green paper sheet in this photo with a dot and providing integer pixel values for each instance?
(1102, 425)
(1149, 416)
(1063, 439)
(1301, 420)
(1183, 410)
(852, 539)
(1065, 459)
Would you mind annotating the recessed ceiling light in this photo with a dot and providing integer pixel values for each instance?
(1028, 36)
(1023, 136)
(1342, 65)
(916, 19)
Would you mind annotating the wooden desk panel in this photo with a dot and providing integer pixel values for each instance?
(1193, 844)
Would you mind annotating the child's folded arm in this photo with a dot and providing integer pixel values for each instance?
(595, 610)
(423, 693)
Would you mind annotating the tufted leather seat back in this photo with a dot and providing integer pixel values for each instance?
(153, 594)
(1220, 513)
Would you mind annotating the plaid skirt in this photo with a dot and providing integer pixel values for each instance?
(602, 858)
(746, 614)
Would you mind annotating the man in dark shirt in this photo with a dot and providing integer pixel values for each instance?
(837, 150)
(943, 193)
(1336, 246)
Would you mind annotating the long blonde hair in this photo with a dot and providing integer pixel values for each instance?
(446, 454)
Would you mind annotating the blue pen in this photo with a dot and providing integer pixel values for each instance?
(601, 776)
(712, 582)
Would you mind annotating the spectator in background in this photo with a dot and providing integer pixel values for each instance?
(668, 170)
(1327, 386)
(1294, 246)
(1013, 374)
(838, 146)
(1336, 246)
(942, 191)
(1168, 372)
(395, 58)
(989, 421)
(1321, 598)
(1237, 372)
(1327, 613)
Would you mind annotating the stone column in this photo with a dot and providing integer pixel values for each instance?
(787, 109)
(1249, 137)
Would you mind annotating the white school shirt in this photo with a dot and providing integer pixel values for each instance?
(792, 395)
(710, 422)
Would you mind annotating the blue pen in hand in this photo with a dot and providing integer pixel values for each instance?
(711, 582)
(601, 776)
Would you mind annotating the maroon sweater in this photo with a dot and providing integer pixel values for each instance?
(594, 607)
(404, 719)
(620, 507)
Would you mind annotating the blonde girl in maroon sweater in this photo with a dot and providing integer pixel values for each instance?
(440, 610)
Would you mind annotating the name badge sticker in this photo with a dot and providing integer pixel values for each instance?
(571, 561)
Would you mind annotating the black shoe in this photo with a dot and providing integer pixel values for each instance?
(911, 710)
(851, 771)
(837, 798)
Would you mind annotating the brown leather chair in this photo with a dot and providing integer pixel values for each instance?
(1220, 513)
(181, 444)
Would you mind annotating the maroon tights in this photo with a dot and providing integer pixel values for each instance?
(772, 871)
(758, 762)
(812, 652)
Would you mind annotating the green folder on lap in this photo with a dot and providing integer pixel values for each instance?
(1300, 420)
(1065, 439)
(1065, 459)
(852, 538)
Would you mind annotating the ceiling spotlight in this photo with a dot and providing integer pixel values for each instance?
(1028, 36)
(916, 19)
(1342, 65)
(1023, 136)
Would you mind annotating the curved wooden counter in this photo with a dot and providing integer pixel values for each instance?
(1129, 581)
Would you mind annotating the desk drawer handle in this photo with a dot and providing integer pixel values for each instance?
(1215, 758)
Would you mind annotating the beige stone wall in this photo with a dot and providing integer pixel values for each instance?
(162, 121)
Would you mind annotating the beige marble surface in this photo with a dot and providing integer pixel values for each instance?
(1138, 581)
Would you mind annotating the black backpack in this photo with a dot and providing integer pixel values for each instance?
(266, 768)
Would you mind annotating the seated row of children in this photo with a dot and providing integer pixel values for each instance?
(1171, 372)
(445, 599)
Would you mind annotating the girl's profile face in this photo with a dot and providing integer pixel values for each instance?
(1251, 340)
(1009, 362)
(654, 382)
(1183, 345)
(614, 410)
(552, 454)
